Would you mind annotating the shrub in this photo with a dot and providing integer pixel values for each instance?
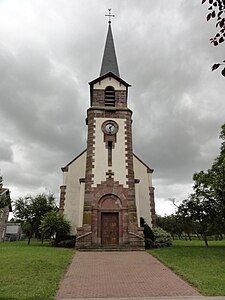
(161, 238)
(54, 224)
(148, 234)
(156, 237)
(67, 243)
(149, 244)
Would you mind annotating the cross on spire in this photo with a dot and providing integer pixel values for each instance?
(110, 15)
(109, 61)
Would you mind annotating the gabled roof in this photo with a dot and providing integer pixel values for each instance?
(65, 169)
(109, 74)
(149, 170)
(109, 61)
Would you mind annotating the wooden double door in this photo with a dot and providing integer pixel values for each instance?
(110, 228)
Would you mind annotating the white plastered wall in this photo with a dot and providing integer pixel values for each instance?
(74, 198)
(118, 154)
(142, 191)
(109, 81)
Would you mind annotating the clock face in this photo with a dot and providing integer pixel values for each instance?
(110, 128)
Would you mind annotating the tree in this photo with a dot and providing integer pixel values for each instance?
(199, 209)
(217, 179)
(4, 197)
(171, 224)
(217, 11)
(53, 224)
(206, 205)
(213, 184)
(29, 210)
(148, 234)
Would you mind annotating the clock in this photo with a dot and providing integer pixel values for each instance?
(110, 127)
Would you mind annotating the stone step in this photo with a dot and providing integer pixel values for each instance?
(110, 249)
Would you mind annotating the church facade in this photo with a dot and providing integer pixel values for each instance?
(107, 188)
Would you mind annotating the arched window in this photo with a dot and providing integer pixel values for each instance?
(109, 96)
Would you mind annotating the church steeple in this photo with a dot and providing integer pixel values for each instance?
(109, 61)
(112, 186)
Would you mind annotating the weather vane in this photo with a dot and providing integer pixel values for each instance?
(110, 15)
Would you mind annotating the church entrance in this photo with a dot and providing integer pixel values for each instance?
(110, 228)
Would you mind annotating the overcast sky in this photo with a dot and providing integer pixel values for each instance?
(51, 49)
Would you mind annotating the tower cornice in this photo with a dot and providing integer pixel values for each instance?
(105, 108)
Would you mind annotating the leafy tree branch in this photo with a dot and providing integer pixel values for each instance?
(217, 12)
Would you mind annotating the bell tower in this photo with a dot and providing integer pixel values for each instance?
(110, 216)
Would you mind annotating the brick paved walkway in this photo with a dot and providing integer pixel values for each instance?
(120, 275)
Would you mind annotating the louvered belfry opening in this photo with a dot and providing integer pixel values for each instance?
(109, 96)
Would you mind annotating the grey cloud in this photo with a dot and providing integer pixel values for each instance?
(6, 153)
(163, 52)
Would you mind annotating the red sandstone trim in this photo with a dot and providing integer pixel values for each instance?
(62, 198)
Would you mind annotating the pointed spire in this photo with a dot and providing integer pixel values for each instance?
(109, 61)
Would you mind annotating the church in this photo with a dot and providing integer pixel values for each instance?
(107, 188)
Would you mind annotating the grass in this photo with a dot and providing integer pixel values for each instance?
(203, 267)
(31, 272)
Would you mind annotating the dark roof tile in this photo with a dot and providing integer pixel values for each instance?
(109, 61)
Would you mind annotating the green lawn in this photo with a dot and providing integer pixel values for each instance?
(31, 272)
(203, 267)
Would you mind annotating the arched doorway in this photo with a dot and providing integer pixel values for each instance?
(109, 220)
